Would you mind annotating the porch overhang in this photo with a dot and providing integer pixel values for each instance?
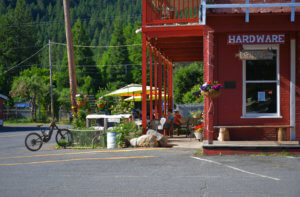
(177, 43)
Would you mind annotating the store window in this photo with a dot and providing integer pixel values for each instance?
(261, 83)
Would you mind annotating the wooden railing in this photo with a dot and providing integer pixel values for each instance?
(172, 11)
(161, 12)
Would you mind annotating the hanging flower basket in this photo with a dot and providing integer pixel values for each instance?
(101, 105)
(211, 90)
(211, 93)
(81, 103)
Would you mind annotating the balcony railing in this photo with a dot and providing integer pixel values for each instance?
(161, 12)
(172, 11)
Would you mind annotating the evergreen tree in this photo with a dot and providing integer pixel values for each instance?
(84, 62)
(17, 41)
(115, 59)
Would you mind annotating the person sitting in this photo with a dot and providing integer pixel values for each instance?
(177, 121)
(169, 123)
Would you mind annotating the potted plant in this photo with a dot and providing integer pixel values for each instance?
(101, 103)
(198, 132)
(211, 90)
(80, 100)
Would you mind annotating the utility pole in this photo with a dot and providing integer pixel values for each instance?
(70, 51)
(51, 86)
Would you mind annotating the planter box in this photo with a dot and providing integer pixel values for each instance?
(88, 138)
(199, 136)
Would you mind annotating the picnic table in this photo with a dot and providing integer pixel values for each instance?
(105, 119)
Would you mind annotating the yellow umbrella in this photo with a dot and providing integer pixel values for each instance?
(139, 98)
(129, 90)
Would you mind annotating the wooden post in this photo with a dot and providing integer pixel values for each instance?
(155, 82)
(105, 124)
(51, 86)
(70, 51)
(169, 85)
(144, 83)
(208, 53)
(151, 82)
(165, 88)
(281, 135)
(223, 134)
(159, 86)
(171, 91)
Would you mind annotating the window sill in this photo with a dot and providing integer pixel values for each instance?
(260, 116)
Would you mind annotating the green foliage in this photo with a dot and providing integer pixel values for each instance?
(79, 119)
(114, 57)
(122, 107)
(123, 130)
(15, 37)
(196, 114)
(64, 99)
(190, 98)
(33, 85)
(185, 78)
(26, 25)
(86, 71)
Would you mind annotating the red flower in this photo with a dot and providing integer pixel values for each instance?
(209, 82)
(198, 127)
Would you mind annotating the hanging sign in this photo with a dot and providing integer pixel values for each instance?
(234, 39)
(255, 55)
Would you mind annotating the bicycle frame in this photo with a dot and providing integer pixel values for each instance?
(47, 137)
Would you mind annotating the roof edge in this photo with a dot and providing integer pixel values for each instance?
(2, 96)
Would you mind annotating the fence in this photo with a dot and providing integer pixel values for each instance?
(186, 109)
(10, 114)
(17, 114)
(64, 115)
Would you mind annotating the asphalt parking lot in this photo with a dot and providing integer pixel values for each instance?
(139, 172)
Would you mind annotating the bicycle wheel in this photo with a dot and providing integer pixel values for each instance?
(63, 137)
(33, 141)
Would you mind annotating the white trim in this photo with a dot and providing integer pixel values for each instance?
(261, 81)
(262, 115)
(293, 90)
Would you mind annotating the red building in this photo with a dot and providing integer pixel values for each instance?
(253, 48)
(2, 99)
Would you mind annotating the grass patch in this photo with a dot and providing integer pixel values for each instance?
(29, 122)
(199, 152)
(280, 154)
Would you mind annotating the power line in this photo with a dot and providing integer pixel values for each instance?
(25, 60)
(103, 65)
(82, 19)
(109, 46)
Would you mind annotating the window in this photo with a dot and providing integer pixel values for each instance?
(261, 84)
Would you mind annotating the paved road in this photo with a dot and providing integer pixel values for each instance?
(138, 172)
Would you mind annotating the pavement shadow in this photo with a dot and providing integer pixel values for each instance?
(18, 128)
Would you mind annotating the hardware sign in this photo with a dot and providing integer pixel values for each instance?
(234, 39)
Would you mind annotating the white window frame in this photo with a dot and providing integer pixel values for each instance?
(277, 81)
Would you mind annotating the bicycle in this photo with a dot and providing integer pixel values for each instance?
(34, 141)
